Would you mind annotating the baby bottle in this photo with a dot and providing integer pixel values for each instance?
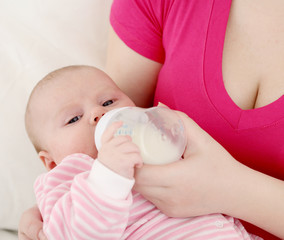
(157, 131)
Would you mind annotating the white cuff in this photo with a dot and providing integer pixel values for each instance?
(110, 183)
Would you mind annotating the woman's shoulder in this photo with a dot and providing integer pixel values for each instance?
(140, 24)
(156, 11)
(148, 8)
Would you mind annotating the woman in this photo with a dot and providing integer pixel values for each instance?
(222, 64)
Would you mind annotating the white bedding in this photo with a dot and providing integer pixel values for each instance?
(8, 235)
(36, 37)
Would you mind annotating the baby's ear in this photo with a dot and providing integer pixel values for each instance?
(47, 160)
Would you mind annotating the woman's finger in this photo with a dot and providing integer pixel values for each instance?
(41, 235)
(159, 197)
(30, 224)
(22, 236)
(147, 175)
(33, 229)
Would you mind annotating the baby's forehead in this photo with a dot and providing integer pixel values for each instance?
(49, 84)
(41, 97)
(71, 80)
(42, 90)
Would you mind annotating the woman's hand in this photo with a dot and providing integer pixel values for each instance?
(209, 180)
(194, 185)
(30, 227)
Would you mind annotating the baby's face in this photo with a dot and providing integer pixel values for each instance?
(68, 109)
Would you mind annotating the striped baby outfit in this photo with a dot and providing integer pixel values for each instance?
(82, 199)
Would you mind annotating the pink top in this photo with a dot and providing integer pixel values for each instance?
(82, 199)
(187, 36)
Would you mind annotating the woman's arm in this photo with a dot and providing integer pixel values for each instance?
(133, 73)
(209, 180)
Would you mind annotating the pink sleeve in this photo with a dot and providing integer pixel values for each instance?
(139, 23)
(72, 208)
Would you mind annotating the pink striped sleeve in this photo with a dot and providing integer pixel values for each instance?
(73, 209)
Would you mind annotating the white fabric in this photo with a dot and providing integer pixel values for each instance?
(7, 235)
(109, 182)
(37, 37)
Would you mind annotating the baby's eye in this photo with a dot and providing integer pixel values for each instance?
(108, 102)
(74, 119)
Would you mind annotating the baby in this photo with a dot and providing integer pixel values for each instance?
(87, 194)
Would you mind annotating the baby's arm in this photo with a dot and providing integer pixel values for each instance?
(74, 207)
(119, 153)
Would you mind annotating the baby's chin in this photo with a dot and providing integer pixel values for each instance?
(93, 155)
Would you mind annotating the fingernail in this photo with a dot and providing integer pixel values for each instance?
(41, 235)
(162, 105)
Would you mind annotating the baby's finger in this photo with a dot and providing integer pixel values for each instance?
(139, 163)
(120, 140)
(133, 159)
(110, 131)
(126, 146)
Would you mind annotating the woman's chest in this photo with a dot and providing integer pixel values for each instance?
(253, 54)
(243, 39)
(193, 80)
(228, 55)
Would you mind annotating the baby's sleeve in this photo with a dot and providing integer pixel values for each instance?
(72, 207)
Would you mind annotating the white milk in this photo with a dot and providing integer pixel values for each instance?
(155, 147)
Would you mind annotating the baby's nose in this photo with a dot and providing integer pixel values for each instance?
(97, 118)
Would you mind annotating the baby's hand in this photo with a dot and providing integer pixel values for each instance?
(119, 153)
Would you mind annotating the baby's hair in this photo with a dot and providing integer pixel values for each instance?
(40, 85)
